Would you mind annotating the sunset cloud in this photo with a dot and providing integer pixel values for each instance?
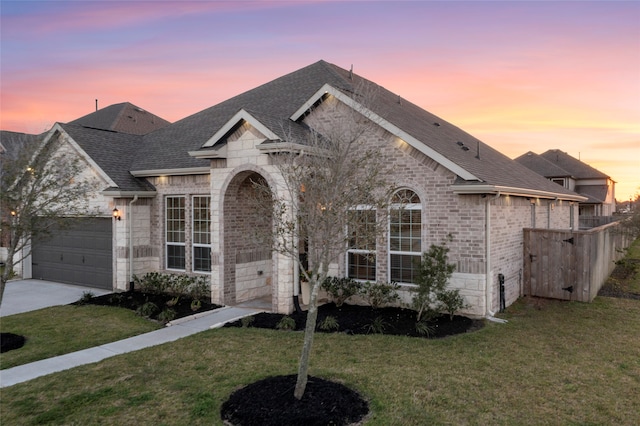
(519, 75)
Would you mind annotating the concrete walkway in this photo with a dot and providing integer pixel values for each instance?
(178, 329)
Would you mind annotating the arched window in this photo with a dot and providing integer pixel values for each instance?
(405, 242)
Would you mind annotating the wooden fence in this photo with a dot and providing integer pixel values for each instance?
(571, 265)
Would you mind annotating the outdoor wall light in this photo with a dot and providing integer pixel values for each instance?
(116, 213)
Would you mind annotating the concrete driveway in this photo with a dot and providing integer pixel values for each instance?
(30, 295)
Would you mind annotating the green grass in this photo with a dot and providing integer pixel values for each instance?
(63, 329)
(554, 363)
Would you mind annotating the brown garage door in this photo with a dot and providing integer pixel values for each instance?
(79, 254)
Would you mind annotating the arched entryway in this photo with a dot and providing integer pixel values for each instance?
(248, 260)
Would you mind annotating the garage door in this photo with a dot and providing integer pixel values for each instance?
(79, 254)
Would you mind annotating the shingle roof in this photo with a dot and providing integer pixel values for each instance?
(574, 166)
(168, 148)
(277, 99)
(595, 193)
(542, 166)
(124, 118)
(11, 143)
(113, 152)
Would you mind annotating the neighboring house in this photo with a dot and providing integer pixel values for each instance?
(181, 191)
(11, 144)
(573, 174)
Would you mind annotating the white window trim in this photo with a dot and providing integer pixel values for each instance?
(362, 207)
(194, 245)
(166, 235)
(408, 206)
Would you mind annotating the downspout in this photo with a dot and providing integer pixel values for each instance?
(488, 294)
(130, 218)
(296, 270)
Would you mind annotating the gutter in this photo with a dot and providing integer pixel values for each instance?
(127, 194)
(508, 190)
(171, 172)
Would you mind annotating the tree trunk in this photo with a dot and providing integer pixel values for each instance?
(309, 330)
(6, 271)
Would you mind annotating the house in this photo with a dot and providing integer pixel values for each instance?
(11, 144)
(573, 174)
(174, 196)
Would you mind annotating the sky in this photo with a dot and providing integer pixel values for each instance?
(520, 76)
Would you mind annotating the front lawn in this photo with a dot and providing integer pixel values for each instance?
(554, 362)
(62, 329)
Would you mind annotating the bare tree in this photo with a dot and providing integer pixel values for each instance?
(335, 192)
(41, 184)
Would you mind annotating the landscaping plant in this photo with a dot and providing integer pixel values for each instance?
(433, 274)
(341, 289)
(379, 294)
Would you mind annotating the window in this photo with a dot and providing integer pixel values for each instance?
(175, 232)
(405, 242)
(361, 254)
(201, 228)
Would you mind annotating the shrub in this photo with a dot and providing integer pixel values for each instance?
(433, 274)
(329, 323)
(86, 297)
(195, 287)
(379, 294)
(116, 298)
(152, 282)
(247, 321)
(451, 301)
(340, 289)
(166, 315)
(286, 323)
(147, 309)
(199, 288)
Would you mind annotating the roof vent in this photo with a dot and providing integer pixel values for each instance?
(436, 124)
(460, 143)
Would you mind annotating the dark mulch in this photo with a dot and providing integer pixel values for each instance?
(270, 402)
(616, 285)
(355, 319)
(134, 300)
(10, 341)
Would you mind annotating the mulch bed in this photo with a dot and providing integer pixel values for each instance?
(134, 300)
(355, 319)
(270, 402)
(10, 341)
